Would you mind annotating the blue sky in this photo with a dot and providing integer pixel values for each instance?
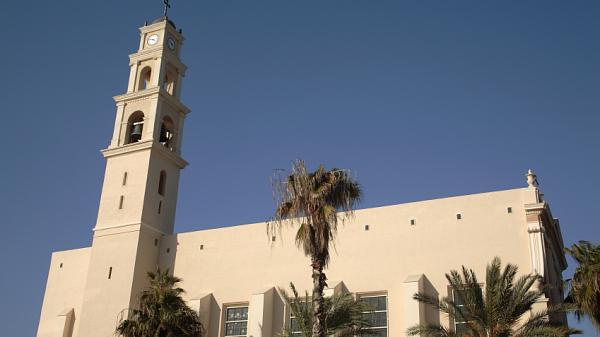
(420, 99)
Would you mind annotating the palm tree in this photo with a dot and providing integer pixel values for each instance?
(343, 315)
(312, 200)
(585, 285)
(501, 308)
(161, 311)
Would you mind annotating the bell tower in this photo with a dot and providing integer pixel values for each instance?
(139, 193)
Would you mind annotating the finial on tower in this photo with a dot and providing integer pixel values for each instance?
(532, 179)
(167, 6)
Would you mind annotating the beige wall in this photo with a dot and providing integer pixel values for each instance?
(235, 262)
(64, 292)
(241, 264)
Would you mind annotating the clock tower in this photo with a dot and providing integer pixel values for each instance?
(139, 193)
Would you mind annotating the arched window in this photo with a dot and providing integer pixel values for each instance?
(145, 77)
(135, 126)
(166, 132)
(162, 182)
(169, 83)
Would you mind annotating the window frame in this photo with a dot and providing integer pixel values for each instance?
(360, 296)
(454, 321)
(225, 321)
(292, 317)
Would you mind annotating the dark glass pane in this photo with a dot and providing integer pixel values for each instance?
(237, 314)
(380, 332)
(460, 315)
(459, 296)
(375, 303)
(461, 329)
(293, 324)
(376, 319)
(235, 329)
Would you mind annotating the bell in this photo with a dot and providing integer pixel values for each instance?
(163, 136)
(136, 133)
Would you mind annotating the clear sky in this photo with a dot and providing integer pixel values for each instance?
(421, 99)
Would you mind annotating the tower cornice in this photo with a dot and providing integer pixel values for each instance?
(148, 93)
(162, 25)
(155, 53)
(145, 145)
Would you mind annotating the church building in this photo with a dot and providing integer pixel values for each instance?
(232, 275)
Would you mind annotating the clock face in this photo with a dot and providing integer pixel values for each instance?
(152, 39)
(171, 44)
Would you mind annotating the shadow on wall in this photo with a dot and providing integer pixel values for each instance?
(432, 316)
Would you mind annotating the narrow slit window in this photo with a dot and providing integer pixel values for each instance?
(162, 181)
(124, 178)
(121, 200)
(159, 206)
(155, 242)
(109, 273)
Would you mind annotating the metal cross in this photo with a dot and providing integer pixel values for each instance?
(167, 6)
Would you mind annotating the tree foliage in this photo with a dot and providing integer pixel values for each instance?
(343, 314)
(312, 200)
(161, 311)
(500, 308)
(584, 290)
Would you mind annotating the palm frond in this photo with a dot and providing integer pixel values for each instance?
(498, 309)
(161, 311)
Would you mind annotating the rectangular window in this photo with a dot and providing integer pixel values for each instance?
(376, 315)
(236, 321)
(460, 322)
(294, 326)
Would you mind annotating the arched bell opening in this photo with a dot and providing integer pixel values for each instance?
(166, 133)
(135, 126)
(169, 83)
(145, 77)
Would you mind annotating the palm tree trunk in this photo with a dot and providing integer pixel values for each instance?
(319, 283)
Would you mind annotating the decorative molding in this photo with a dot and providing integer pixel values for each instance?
(126, 228)
(136, 95)
(127, 148)
(156, 53)
(157, 91)
(145, 145)
(543, 234)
